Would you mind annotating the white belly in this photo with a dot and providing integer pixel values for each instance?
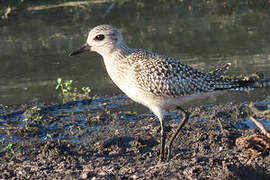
(123, 78)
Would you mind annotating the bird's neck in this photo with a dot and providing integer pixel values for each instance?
(118, 65)
(118, 53)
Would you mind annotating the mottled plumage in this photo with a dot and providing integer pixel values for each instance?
(156, 81)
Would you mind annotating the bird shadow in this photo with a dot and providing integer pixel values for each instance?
(123, 143)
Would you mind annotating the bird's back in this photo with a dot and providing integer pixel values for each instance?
(168, 77)
(164, 76)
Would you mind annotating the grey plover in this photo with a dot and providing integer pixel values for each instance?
(156, 81)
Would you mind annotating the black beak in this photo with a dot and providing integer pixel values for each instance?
(85, 47)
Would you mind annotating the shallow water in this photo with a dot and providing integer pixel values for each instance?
(36, 40)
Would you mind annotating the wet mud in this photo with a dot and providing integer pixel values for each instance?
(110, 142)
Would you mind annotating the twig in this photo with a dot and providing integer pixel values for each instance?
(260, 126)
(220, 124)
(256, 111)
(6, 14)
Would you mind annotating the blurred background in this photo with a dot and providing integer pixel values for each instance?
(37, 36)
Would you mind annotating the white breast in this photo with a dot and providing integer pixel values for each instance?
(122, 77)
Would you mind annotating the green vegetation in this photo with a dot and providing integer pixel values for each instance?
(69, 93)
(48, 136)
(32, 119)
(6, 146)
(10, 147)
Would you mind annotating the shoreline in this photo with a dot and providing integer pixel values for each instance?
(123, 144)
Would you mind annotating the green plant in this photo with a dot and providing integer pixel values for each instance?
(64, 86)
(10, 147)
(33, 114)
(32, 118)
(70, 93)
(86, 90)
(48, 136)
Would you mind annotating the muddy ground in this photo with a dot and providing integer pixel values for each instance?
(119, 144)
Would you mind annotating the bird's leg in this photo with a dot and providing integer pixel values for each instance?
(162, 140)
(159, 112)
(184, 120)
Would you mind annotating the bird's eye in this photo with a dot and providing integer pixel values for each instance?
(99, 37)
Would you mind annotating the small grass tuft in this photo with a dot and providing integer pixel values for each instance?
(69, 93)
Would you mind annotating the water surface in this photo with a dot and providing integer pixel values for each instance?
(36, 40)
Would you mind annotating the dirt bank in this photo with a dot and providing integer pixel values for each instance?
(127, 148)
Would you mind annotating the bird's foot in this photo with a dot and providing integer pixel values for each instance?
(162, 158)
(166, 155)
(168, 152)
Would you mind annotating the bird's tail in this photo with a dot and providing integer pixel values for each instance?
(252, 84)
(246, 83)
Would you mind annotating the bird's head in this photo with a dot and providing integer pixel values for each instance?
(102, 39)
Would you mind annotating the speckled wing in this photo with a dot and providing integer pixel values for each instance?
(164, 76)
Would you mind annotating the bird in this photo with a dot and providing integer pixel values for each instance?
(159, 82)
